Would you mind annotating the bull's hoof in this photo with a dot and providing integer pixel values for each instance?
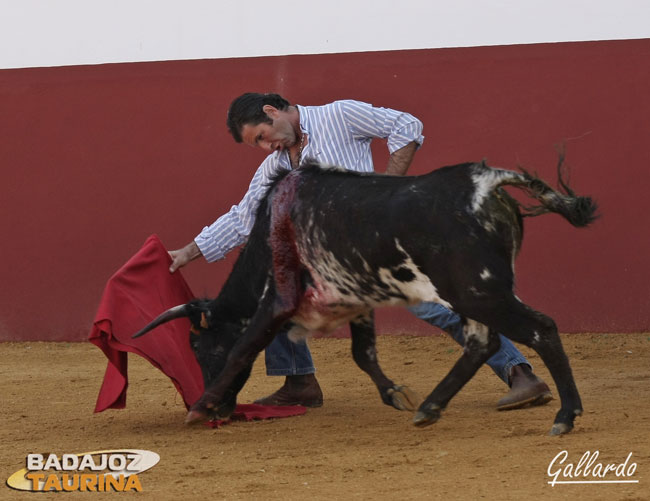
(564, 421)
(196, 417)
(201, 412)
(428, 414)
(560, 429)
(403, 398)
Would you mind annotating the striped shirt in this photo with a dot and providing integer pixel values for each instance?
(340, 134)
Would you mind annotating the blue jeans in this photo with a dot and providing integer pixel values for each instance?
(285, 358)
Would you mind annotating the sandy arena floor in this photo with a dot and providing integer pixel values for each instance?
(353, 447)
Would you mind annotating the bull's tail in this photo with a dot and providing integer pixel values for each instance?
(579, 211)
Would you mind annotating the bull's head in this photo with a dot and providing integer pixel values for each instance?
(211, 340)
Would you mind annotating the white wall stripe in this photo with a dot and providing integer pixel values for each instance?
(72, 32)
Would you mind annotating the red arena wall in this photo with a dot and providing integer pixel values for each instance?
(94, 159)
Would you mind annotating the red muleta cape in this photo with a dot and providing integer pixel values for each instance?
(137, 293)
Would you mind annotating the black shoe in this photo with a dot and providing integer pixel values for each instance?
(526, 389)
(297, 390)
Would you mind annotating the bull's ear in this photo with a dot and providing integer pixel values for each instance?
(199, 314)
(203, 324)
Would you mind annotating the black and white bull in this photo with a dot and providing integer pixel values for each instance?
(329, 246)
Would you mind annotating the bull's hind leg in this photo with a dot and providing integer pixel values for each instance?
(365, 355)
(480, 344)
(524, 325)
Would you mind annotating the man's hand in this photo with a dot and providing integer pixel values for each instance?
(183, 256)
(400, 160)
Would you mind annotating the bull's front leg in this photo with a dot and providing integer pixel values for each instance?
(209, 351)
(364, 353)
(267, 321)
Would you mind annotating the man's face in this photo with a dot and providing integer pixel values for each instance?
(278, 135)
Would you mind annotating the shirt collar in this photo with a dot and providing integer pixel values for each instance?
(304, 119)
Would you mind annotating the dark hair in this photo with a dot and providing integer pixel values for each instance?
(247, 109)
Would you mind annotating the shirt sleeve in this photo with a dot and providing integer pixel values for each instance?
(232, 229)
(366, 121)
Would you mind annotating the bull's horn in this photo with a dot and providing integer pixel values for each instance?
(179, 311)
